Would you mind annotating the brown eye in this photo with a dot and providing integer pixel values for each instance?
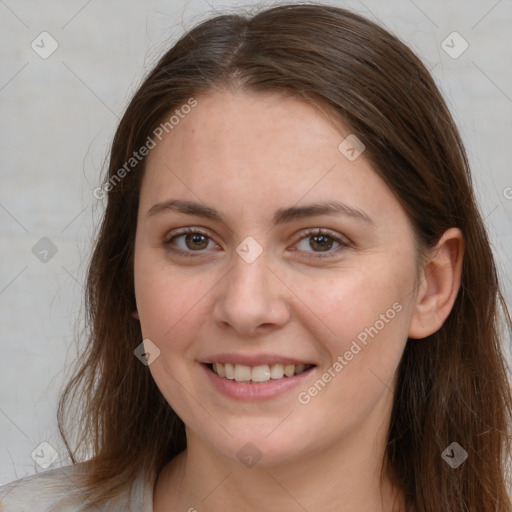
(196, 241)
(319, 243)
(188, 241)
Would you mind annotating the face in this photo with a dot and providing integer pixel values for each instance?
(245, 273)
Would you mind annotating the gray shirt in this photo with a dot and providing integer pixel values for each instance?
(56, 491)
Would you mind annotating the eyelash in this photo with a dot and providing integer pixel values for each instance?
(309, 233)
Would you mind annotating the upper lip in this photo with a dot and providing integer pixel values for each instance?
(253, 359)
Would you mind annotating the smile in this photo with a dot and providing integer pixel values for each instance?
(257, 374)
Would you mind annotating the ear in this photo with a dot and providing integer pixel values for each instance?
(440, 283)
(135, 314)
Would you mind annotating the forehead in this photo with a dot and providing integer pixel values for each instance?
(244, 125)
(256, 149)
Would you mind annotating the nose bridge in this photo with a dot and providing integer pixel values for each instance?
(249, 266)
(249, 274)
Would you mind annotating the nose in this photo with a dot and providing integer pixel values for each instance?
(251, 299)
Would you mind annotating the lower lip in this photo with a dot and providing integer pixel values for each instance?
(257, 390)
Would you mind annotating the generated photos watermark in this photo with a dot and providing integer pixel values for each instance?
(147, 352)
(143, 151)
(454, 455)
(305, 397)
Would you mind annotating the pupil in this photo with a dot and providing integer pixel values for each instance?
(196, 239)
(324, 244)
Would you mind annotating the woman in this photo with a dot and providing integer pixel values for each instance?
(293, 301)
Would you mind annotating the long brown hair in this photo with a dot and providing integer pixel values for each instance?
(452, 387)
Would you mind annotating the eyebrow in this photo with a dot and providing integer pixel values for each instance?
(281, 216)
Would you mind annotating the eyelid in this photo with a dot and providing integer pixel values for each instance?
(343, 241)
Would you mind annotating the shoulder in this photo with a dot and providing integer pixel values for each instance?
(59, 489)
(39, 492)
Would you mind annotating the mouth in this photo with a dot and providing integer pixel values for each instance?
(257, 374)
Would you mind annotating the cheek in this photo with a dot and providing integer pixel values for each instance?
(174, 305)
(168, 305)
(165, 300)
(363, 317)
(357, 301)
(364, 321)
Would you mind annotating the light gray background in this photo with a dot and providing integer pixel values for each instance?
(58, 116)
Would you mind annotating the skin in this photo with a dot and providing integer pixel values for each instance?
(248, 154)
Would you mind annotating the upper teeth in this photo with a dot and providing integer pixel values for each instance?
(265, 372)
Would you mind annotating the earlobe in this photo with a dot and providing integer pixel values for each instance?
(135, 315)
(440, 283)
